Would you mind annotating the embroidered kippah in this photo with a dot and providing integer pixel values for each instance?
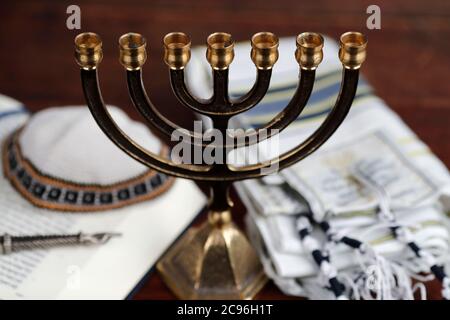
(60, 160)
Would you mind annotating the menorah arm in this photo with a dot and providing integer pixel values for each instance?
(264, 55)
(220, 102)
(88, 54)
(153, 117)
(183, 94)
(313, 142)
(117, 136)
(220, 54)
(283, 118)
(254, 96)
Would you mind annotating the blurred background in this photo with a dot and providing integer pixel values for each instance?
(408, 61)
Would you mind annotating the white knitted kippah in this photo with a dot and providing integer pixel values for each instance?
(61, 160)
(67, 143)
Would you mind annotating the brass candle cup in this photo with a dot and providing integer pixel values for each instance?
(352, 52)
(220, 50)
(88, 50)
(177, 50)
(309, 50)
(264, 52)
(132, 50)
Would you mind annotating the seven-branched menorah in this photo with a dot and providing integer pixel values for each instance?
(216, 260)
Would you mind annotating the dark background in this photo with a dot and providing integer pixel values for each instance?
(408, 61)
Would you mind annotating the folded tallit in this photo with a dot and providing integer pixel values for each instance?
(373, 181)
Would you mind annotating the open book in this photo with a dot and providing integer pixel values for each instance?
(108, 271)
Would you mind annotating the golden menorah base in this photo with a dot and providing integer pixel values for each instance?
(216, 260)
(213, 262)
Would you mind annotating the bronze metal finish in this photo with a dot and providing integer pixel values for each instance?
(220, 51)
(352, 50)
(132, 51)
(264, 50)
(177, 52)
(309, 50)
(88, 50)
(215, 261)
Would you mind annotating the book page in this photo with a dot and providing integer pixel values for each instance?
(108, 271)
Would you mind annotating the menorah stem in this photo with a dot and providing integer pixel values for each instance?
(220, 196)
(221, 100)
(220, 204)
(220, 201)
(190, 267)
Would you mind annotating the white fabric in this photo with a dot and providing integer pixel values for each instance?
(371, 134)
(57, 141)
(109, 271)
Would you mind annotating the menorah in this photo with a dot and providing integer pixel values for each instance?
(216, 260)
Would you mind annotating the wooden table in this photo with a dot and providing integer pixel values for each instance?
(408, 62)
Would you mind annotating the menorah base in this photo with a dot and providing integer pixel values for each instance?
(213, 262)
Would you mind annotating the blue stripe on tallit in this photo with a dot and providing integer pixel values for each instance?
(318, 96)
(292, 86)
(5, 114)
(311, 115)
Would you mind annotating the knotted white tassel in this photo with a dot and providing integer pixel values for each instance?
(376, 277)
(327, 272)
